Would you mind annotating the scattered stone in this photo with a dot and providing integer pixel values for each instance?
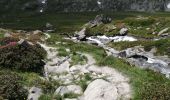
(97, 90)
(37, 32)
(7, 35)
(34, 93)
(110, 28)
(123, 31)
(49, 25)
(69, 89)
(163, 31)
(62, 90)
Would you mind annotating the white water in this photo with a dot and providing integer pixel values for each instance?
(100, 39)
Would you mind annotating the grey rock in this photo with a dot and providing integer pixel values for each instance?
(7, 35)
(81, 35)
(34, 93)
(123, 31)
(69, 89)
(163, 31)
(99, 19)
(100, 90)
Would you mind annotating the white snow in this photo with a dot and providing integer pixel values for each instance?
(41, 10)
(168, 6)
(43, 1)
(98, 2)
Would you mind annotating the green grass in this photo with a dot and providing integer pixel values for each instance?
(78, 59)
(62, 52)
(1, 35)
(63, 22)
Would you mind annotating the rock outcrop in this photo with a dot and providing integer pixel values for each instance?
(84, 5)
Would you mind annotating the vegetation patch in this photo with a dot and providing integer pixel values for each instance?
(78, 59)
(11, 87)
(23, 57)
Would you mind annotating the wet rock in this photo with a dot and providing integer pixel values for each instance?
(139, 57)
(123, 31)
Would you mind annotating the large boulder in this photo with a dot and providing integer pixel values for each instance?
(100, 90)
(81, 35)
(123, 31)
(34, 93)
(99, 19)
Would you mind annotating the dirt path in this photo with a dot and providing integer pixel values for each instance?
(104, 83)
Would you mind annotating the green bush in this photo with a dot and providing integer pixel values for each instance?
(27, 58)
(155, 91)
(10, 86)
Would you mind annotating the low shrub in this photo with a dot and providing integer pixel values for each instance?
(155, 91)
(7, 40)
(11, 87)
(24, 57)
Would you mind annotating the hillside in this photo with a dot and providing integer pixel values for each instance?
(83, 5)
(85, 56)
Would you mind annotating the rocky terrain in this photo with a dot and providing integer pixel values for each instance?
(84, 5)
(105, 59)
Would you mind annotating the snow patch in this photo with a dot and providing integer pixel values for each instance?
(98, 2)
(168, 6)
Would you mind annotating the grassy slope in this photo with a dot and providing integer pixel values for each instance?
(63, 22)
(1, 35)
(147, 85)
